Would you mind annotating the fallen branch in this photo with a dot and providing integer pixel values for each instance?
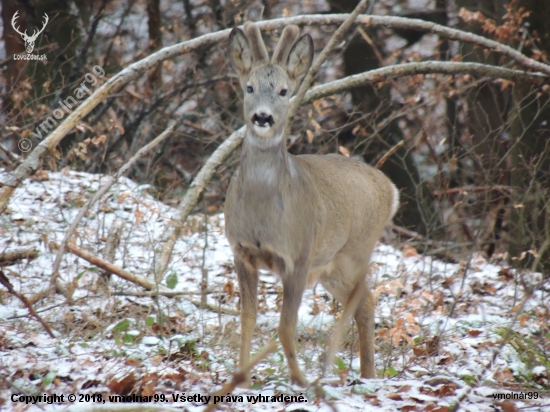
(7, 284)
(18, 254)
(138, 280)
(239, 377)
(115, 270)
(33, 161)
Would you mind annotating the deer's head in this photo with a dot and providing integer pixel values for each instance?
(29, 40)
(268, 84)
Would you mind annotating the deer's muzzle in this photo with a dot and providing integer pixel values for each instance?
(263, 119)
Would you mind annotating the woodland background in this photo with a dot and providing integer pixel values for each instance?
(474, 167)
(471, 151)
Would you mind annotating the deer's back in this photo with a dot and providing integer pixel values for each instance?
(356, 202)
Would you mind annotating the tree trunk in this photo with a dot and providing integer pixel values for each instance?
(155, 38)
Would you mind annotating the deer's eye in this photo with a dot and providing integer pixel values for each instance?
(249, 89)
(282, 92)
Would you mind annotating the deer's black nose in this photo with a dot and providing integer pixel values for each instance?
(262, 118)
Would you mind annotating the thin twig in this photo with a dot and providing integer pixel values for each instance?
(407, 232)
(239, 377)
(465, 189)
(5, 281)
(394, 149)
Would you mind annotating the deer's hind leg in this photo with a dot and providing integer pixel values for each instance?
(347, 283)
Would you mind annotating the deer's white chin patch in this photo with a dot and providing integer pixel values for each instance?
(261, 130)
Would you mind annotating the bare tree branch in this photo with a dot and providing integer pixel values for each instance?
(115, 270)
(7, 284)
(18, 254)
(239, 377)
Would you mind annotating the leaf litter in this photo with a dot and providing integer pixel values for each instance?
(112, 341)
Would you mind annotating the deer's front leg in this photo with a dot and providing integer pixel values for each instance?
(248, 285)
(293, 288)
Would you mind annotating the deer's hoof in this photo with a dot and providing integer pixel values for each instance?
(299, 379)
(243, 379)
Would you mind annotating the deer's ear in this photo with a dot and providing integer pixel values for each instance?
(300, 57)
(239, 52)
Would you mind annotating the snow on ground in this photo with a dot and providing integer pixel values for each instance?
(112, 341)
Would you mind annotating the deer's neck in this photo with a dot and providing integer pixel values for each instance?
(268, 166)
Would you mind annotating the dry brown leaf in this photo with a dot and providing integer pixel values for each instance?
(419, 351)
(315, 309)
(96, 141)
(132, 362)
(343, 150)
(409, 251)
(394, 396)
(123, 196)
(504, 375)
(447, 390)
(176, 378)
(410, 318)
(395, 336)
(148, 383)
(138, 215)
(428, 296)
(123, 386)
(507, 406)
(41, 176)
(156, 360)
(474, 332)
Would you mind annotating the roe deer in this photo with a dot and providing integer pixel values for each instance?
(309, 218)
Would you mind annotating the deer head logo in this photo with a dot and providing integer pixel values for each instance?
(29, 40)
